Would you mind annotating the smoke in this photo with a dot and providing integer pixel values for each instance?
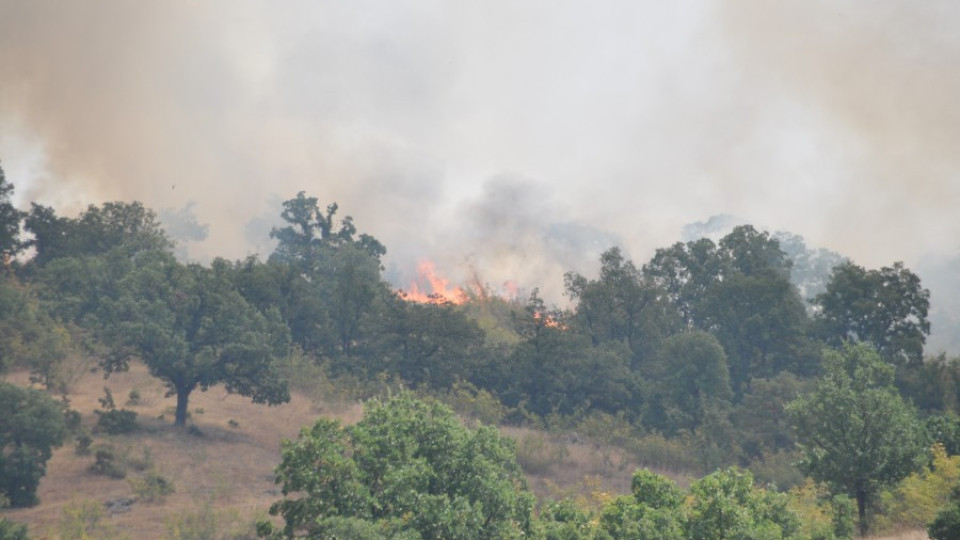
(616, 123)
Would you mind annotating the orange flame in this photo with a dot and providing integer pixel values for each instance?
(549, 320)
(439, 287)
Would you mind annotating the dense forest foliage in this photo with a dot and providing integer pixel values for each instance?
(802, 414)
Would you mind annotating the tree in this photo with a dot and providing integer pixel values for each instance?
(622, 305)
(31, 425)
(727, 506)
(10, 218)
(430, 343)
(409, 468)
(854, 429)
(886, 308)
(97, 230)
(653, 511)
(554, 369)
(690, 380)
(339, 274)
(946, 526)
(192, 329)
(739, 291)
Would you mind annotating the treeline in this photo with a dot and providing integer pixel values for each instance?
(705, 344)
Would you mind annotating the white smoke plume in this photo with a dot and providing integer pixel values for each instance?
(505, 138)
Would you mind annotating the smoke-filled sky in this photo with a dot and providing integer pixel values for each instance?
(514, 139)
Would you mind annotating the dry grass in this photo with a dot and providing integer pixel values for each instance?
(908, 535)
(230, 468)
(556, 468)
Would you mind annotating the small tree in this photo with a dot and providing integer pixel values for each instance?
(856, 433)
(31, 425)
(408, 469)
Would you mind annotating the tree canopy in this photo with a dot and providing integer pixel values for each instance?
(409, 470)
(886, 308)
(193, 330)
(856, 432)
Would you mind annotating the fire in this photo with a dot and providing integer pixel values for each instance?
(549, 320)
(431, 288)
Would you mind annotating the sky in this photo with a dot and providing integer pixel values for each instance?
(506, 141)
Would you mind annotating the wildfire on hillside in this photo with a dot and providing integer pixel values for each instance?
(430, 287)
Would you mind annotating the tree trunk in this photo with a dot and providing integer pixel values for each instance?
(183, 395)
(862, 511)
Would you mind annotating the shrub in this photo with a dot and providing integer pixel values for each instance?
(537, 454)
(109, 462)
(152, 487)
(11, 530)
(117, 422)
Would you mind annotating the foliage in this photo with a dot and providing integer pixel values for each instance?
(692, 379)
(946, 526)
(622, 306)
(944, 430)
(11, 530)
(152, 486)
(193, 330)
(31, 425)
(83, 520)
(10, 243)
(108, 462)
(914, 502)
(654, 510)
(408, 466)
(726, 505)
(475, 403)
(113, 421)
(334, 286)
(822, 516)
(886, 308)
(117, 422)
(856, 433)
(128, 227)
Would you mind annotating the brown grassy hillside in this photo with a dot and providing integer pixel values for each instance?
(222, 471)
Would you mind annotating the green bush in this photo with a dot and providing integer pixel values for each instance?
(11, 530)
(31, 425)
(109, 462)
(946, 526)
(117, 422)
(152, 487)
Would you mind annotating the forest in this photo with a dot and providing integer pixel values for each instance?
(790, 404)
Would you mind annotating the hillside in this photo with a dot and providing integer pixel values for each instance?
(222, 471)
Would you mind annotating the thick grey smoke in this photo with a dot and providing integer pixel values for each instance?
(503, 138)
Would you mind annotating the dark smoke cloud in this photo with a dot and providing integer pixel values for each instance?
(834, 120)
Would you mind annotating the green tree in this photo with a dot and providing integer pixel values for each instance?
(946, 526)
(886, 308)
(726, 506)
(338, 283)
(622, 305)
(653, 511)
(10, 218)
(193, 330)
(31, 425)
(855, 430)
(409, 467)
(739, 291)
(96, 231)
(432, 343)
(691, 380)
